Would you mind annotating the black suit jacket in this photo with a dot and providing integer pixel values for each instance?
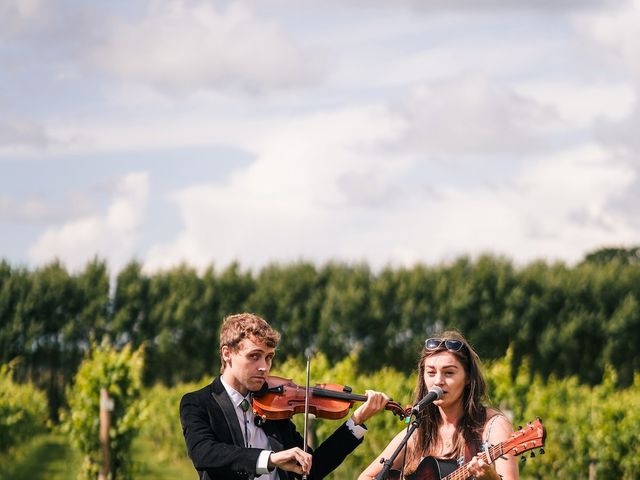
(216, 446)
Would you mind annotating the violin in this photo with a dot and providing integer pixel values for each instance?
(280, 398)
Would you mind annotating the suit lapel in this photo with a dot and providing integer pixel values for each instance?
(220, 396)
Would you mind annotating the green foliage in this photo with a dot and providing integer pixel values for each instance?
(23, 410)
(588, 428)
(162, 426)
(47, 456)
(558, 317)
(120, 373)
(629, 256)
(291, 296)
(48, 318)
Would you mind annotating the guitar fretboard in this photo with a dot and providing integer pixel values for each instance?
(462, 473)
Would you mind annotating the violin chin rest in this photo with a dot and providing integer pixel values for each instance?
(264, 389)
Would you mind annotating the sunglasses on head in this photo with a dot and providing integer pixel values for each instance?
(438, 343)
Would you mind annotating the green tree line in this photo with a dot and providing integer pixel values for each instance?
(567, 321)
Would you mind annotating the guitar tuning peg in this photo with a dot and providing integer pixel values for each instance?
(542, 451)
(533, 454)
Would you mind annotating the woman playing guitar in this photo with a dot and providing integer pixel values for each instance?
(454, 428)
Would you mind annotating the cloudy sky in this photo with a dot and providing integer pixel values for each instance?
(386, 131)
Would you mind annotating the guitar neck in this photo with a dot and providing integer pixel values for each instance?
(489, 456)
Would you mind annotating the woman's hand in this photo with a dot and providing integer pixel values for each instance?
(482, 470)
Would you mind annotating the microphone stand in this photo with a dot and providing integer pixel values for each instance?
(388, 463)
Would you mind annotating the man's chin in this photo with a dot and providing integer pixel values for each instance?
(258, 384)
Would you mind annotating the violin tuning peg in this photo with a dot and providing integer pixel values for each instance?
(542, 451)
(533, 454)
(523, 459)
(520, 427)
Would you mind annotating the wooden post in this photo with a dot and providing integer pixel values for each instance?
(106, 407)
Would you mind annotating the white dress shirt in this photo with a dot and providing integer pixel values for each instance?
(254, 437)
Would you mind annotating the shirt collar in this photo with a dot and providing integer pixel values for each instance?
(236, 396)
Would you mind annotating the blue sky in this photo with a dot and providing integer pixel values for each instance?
(391, 132)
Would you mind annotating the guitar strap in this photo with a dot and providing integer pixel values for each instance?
(471, 449)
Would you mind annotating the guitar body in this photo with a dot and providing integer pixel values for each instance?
(429, 469)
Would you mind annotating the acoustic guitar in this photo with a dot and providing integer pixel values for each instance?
(525, 439)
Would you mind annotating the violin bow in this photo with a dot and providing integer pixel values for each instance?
(306, 407)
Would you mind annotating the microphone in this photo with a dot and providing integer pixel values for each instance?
(434, 394)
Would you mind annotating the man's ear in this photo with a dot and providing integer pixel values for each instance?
(226, 354)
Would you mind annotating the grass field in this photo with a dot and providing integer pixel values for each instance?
(50, 457)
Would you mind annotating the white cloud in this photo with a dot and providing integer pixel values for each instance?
(294, 201)
(20, 133)
(15, 15)
(456, 130)
(582, 104)
(185, 46)
(473, 115)
(462, 5)
(112, 235)
(342, 185)
(615, 30)
(31, 210)
(613, 35)
(558, 207)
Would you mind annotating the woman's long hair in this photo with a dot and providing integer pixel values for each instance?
(470, 425)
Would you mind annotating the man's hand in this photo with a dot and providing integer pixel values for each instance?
(292, 460)
(376, 401)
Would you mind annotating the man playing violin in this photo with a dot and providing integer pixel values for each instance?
(224, 442)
